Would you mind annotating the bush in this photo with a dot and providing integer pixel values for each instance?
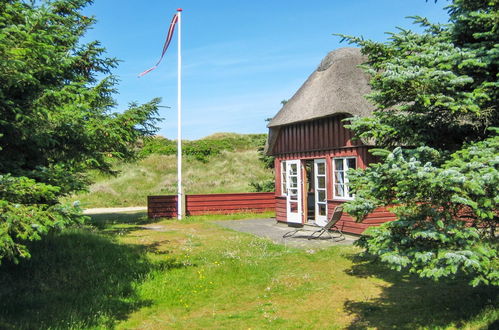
(204, 148)
(158, 145)
(263, 186)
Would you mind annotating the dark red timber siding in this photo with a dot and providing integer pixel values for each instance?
(348, 224)
(166, 206)
(162, 206)
(320, 134)
(361, 152)
(325, 138)
(229, 203)
(280, 208)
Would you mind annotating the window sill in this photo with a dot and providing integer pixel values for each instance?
(342, 199)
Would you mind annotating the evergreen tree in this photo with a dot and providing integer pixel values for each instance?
(436, 103)
(56, 122)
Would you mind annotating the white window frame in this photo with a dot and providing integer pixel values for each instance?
(294, 216)
(320, 219)
(346, 187)
(284, 189)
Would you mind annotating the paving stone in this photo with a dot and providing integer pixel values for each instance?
(273, 230)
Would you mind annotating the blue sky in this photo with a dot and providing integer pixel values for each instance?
(240, 58)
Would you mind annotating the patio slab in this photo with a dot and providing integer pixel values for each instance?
(273, 230)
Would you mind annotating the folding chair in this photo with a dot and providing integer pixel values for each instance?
(330, 225)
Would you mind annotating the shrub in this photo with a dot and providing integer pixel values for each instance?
(202, 149)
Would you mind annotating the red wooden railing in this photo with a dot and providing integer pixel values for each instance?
(166, 206)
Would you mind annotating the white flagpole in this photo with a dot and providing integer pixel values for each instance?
(179, 121)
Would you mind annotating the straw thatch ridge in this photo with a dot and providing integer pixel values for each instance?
(337, 86)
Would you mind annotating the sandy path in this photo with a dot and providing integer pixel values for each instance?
(104, 210)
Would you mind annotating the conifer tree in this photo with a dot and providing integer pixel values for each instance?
(435, 123)
(56, 117)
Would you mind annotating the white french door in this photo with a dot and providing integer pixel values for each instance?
(320, 192)
(293, 190)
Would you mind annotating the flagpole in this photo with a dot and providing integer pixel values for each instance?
(179, 119)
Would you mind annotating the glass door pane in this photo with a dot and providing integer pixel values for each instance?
(320, 191)
(293, 189)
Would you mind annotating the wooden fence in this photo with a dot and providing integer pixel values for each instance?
(162, 206)
(166, 206)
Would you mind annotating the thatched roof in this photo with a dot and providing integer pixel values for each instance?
(337, 86)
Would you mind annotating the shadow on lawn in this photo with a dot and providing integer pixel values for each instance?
(75, 279)
(107, 220)
(411, 302)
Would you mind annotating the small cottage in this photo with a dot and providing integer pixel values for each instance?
(313, 149)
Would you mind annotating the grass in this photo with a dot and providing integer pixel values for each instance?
(157, 175)
(195, 274)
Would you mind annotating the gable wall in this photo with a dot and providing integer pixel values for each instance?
(315, 135)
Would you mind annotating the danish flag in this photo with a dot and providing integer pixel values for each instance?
(165, 46)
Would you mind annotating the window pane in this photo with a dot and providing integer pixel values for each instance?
(339, 190)
(322, 209)
(339, 177)
(351, 163)
(293, 193)
(293, 170)
(321, 195)
(338, 164)
(293, 206)
(294, 182)
(321, 182)
(283, 177)
(321, 168)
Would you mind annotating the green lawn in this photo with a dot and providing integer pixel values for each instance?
(195, 274)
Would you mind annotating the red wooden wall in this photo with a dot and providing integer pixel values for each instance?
(348, 224)
(361, 153)
(162, 206)
(166, 206)
(280, 208)
(315, 135)
(229, 203)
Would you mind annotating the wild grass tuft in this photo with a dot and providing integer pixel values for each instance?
(229, 172)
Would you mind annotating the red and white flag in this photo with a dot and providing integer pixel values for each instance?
(165, 46)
